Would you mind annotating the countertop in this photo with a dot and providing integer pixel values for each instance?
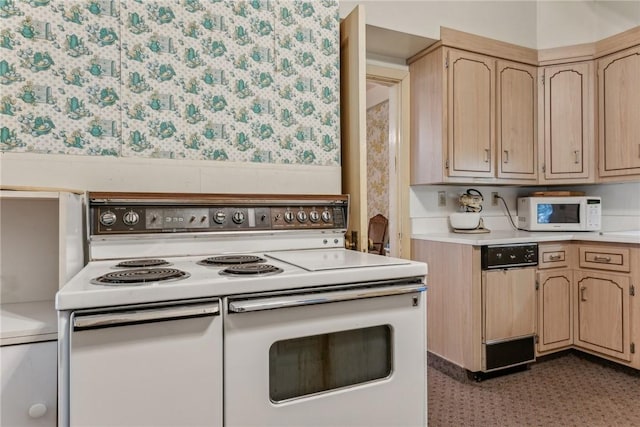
(511, 236)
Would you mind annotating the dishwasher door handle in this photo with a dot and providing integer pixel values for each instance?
(287, 301)
(148, 315)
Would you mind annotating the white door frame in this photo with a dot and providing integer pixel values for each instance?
(399, 221)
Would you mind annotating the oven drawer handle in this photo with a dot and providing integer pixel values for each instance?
(121, 318)
(287, 301)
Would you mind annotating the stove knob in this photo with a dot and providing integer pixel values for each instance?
(289, 216)
(108, 218)
(238, 217)
(326, 216)
(219, 217)
(131, 218)
(302, 216)
(314, 216)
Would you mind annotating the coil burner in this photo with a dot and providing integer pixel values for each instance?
(251, 270)
(140, 276)
(139, 263)
(231, 260)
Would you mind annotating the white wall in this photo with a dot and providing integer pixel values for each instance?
(616, 16)
(561, 23)
(97, 173)
(513, 21)
(536, 24)
(376, 95)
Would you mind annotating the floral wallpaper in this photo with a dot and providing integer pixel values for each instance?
(242, 81)
(378, 159)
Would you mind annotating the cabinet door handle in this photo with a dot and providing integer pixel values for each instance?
(555, 257)
(582, 291)
(598, 258)
(506, 156)
(577, 156)
(486, 155)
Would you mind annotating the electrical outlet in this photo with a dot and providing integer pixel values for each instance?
(442, 198)
(494, 198)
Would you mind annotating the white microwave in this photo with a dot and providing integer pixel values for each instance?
(582, 213)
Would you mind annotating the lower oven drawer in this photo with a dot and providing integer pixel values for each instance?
(327, 359)
(504, 354)
(147, 367)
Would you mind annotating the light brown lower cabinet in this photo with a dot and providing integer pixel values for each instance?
(585, 301)
(602, 314)
(555, 310)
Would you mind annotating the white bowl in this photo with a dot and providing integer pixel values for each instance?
(464, 220)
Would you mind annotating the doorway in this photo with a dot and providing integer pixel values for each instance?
(387, 152)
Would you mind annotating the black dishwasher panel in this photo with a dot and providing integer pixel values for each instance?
(514, 352)
(510, 255)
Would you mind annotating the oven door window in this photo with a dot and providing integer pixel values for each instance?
(308, 365)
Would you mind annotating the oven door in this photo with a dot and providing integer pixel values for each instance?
(347, 357)
(148, 365)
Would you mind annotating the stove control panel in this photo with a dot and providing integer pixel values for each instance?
(287, 217)
(130, 218)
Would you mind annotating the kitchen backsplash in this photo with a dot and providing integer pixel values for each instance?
(620, 205)
(243, 81)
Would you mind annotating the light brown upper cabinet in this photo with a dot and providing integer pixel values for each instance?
(458, 101)
(486, 111)
(619, 114)
(471, 111)
(568, 123)
(516, 120)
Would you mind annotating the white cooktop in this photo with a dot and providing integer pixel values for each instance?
(333, 259)
(300, 269)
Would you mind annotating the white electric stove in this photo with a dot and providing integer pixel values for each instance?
(178, 286)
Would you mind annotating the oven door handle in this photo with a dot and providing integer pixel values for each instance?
(128, 317)
(288, 301)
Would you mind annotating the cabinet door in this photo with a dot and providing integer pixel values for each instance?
(509, 303)
(602, 313)
(471, 112)
(619, 113)
(516, 133)
(555, 314)
(568, 122)
(29, 386)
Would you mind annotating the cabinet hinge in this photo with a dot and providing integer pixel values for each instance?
(544, 168)
(446, 62)
(537, 285)
(633, 348)
(446, 164)
(542, 79)
(632, 291)
(537, 338)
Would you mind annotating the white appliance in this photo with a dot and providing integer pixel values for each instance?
(264, 318)
(570, 213)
